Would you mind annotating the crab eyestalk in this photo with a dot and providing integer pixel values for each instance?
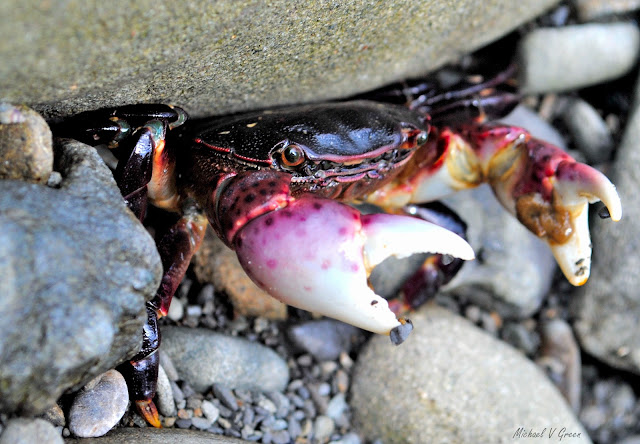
(545, 188)
(317, 254)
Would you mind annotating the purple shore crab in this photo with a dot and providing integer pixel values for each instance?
(273, 185)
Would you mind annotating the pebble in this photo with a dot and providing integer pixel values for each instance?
(165, 400)
(203, 357)
(323, 427)
(55, 416)
(520, 337)
(99, 406)
(572, 57)
(596, 9)
(167, 364)
(26, 151)
(225, 396)
(589, 131)
(324, 339)
(29, 431)
(558, 342)
(210, 411)
(176, 310)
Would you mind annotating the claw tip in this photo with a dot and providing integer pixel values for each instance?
(148, 410)
(401, 332)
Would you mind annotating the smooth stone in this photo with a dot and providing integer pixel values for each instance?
(164, 394)
(203, 357)
(227, 56)
(150, 435)
(502, 278)
(325, 339)
(558, 343)
(589, 130)
(29, 431)
(26, 148)
(607, 308)
(77, 267)
(452, 382)
(596, 9)
(572, 57)
(99, 406)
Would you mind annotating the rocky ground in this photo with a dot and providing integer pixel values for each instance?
(508, 348)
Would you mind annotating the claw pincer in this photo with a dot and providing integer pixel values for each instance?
(316, 254)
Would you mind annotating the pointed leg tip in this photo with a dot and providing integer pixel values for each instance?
(401, 332)
(148, 411)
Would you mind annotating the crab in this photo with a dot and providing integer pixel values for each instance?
(276, 186)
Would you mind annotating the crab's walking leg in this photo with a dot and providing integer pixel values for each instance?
(146, 171)
(545, 188)
(438, 269)
(176, 248)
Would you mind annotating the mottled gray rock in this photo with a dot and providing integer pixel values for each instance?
(99, 406)
(224, 56)
(572, 57)
(203, 358)
(451, 382)
(29, 431)
(26, 151)
(157, 436)
(608, 309)
(77, 267)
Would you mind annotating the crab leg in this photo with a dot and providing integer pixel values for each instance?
(544, 187)
(317, 254)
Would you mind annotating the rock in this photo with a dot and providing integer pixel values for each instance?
(26, 151)
(203, 358)
(325, 339)
(216, 263)
(157, 436)
(607, 309)
(99, 406)
(78, 56)
(164, 395)
(513, 269)
(77, 268)
(28, 431)
(558, 343)
(441, 385)
(595, 9)
(572, 57)
(589, 130)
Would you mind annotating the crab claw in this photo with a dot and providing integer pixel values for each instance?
(317, 254)
(549, 192)
(576, 186)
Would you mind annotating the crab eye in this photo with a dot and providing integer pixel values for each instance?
(292, 155)
(422, 138)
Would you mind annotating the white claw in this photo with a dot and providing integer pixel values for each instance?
(317, 255)
(401, 236)
(577, 185)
